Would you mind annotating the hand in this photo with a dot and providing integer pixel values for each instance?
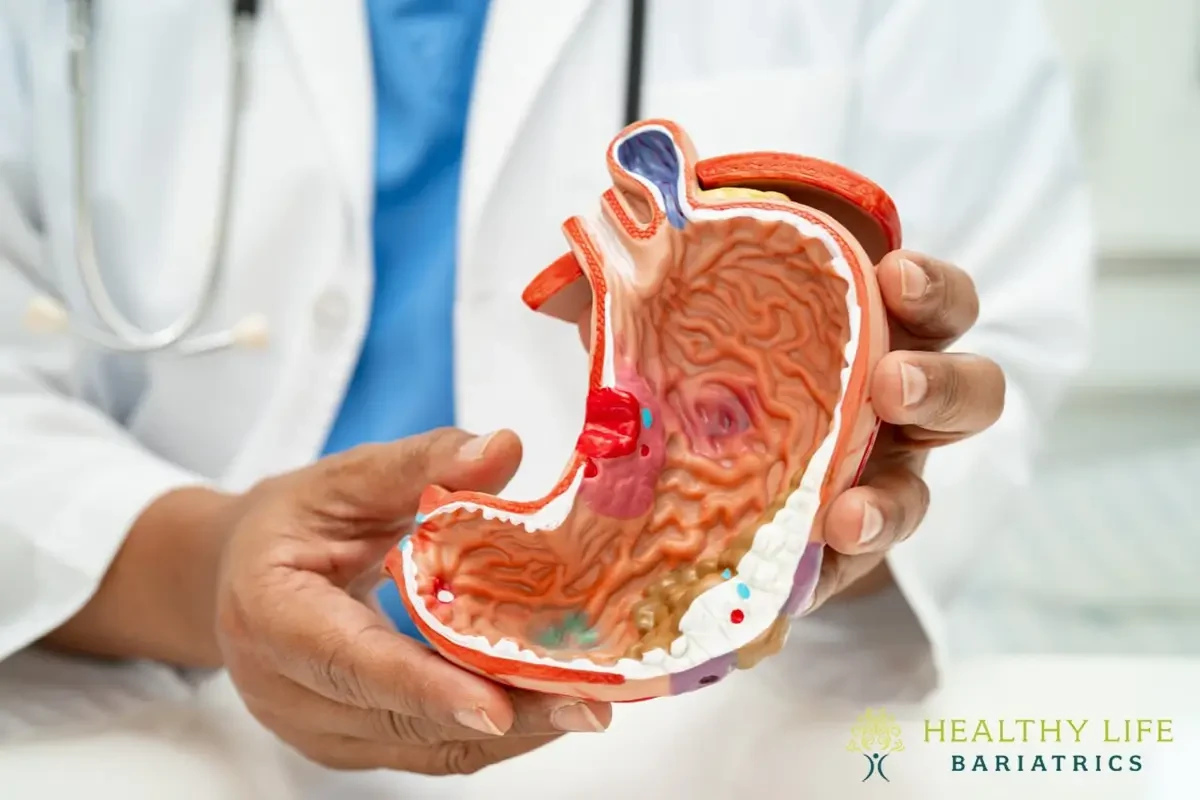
(322, 669)
(926, 398)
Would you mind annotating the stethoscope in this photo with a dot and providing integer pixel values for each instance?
(49, 312)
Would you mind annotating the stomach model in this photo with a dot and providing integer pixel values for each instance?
(735, 321)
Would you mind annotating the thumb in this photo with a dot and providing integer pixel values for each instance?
(384, 481)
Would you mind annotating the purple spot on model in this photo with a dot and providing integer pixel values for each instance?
(805, 580)
(706, 674)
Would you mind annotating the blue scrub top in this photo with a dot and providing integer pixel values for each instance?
(424, 54)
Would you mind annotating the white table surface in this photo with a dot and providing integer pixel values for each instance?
(753, 738)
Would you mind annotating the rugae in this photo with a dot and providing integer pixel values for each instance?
(735, 320)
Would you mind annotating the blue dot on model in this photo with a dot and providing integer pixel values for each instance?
(743, 591)
(727, 574)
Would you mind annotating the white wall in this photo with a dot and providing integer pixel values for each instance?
(1137, 72)
(1137, 67)
(1104, 553)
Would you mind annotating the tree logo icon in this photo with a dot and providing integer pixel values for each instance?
(876, 735)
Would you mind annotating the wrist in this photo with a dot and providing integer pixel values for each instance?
(158, 599)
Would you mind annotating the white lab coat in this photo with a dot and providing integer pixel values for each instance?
(959, 109)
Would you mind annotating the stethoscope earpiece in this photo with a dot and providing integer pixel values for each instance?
(45, 315)
(251, 332)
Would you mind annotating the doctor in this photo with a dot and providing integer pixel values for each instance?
(397, 170)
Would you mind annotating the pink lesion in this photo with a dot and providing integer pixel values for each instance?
(718, 419)
(744, 342)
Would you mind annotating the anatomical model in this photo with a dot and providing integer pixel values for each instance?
(735, 321)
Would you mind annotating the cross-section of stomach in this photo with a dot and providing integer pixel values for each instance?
(734, 323)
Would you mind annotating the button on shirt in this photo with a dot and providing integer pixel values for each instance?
(424, 54)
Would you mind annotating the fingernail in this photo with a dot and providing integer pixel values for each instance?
(913, 385)
(576, 717)
(872, 525)
(913, 280)
(474, 449)
(477, 720)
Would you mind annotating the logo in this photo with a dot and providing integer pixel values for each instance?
(876, 735)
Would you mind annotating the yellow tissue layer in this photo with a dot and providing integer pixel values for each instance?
(738, 193)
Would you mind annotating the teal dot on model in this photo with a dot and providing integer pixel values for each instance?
(647, 418)
(743, 591)
(727, 574)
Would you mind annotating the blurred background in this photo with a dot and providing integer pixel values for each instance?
(1104, 555)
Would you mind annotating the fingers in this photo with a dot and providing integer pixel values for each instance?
(878, 514)
(447, 758)
(926, 397)
(385, 481)
(326, 641)
(286, 705)
(949, 395)
(930, 303)
(534, 715)
(538, 714)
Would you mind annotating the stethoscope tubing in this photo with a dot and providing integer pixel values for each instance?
(120, 334)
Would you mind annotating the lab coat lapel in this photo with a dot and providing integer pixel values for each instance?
(332, 48)
(521, 45)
